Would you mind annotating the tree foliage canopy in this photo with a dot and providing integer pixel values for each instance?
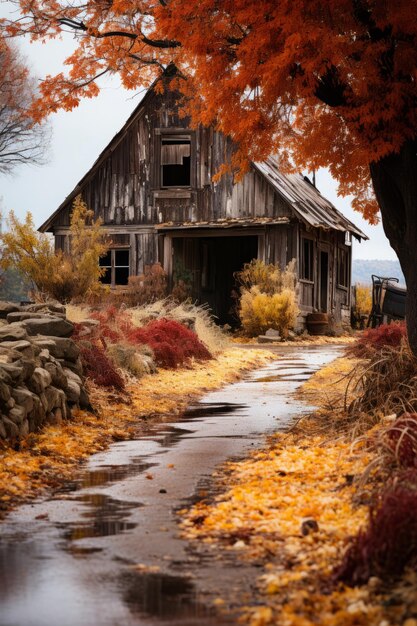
(328, 83)
(324, 83)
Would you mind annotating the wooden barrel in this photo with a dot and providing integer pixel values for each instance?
(317, 323)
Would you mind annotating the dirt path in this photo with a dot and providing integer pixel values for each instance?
(106, 552)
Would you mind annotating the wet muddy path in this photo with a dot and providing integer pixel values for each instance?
(89, 556)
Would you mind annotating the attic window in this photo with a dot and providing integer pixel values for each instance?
(116, 264)
(175, 162)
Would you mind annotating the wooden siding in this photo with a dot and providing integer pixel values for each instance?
(125, 187)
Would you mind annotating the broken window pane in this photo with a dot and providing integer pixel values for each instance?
(175, 162)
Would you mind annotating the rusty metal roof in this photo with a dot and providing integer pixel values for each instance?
(306, 200)
(224, 223)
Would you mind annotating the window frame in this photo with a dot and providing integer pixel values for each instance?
(173, 134)
(342, 250)
(113, 251)
(172, 139)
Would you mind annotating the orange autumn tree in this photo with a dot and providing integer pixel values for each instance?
(327, 83)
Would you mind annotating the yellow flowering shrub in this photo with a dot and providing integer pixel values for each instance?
(54, 273)
(260, 311)
(363, 302)
(268, 298)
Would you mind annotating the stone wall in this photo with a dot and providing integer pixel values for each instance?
(41, 375)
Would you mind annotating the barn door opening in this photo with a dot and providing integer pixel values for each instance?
(324, 282)
(220, 258)
(211, 263)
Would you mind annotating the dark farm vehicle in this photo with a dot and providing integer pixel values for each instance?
(388, 301)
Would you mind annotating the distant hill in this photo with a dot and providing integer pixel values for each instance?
(363, 269)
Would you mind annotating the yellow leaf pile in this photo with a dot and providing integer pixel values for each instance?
(291, 508)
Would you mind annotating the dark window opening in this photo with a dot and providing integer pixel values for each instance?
(307, 259)
(342, 268)
(207, 266)
(116, 264)
(176, 162)
(324, 281)
(105, 262)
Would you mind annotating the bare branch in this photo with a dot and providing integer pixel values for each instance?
(21, 140)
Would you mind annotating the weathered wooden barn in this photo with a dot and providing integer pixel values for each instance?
(152, 186)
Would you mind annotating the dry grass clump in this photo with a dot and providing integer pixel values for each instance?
(137, 360)
(198, 318)
(387, 383)
(77, 313)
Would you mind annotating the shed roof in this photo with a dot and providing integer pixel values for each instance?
(305, 199)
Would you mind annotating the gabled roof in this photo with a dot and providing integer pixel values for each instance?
(305, 199)
(111, 146)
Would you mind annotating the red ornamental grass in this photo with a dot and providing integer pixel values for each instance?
(114, 324)
(375, 339)
(99, 368)
(402, 440)
(172, 343)
(389, 544)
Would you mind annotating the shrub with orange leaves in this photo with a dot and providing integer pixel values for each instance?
(268, 297)
(114, 324)
(147, 287)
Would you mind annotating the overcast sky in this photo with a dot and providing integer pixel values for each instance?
(79, 136)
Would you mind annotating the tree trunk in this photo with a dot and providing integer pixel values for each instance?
(395, 183)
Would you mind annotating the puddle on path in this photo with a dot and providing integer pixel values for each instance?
(112, 473)
(167, 597)
(300, 377)
(106, 516)
(71, 559)
(205, 409)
